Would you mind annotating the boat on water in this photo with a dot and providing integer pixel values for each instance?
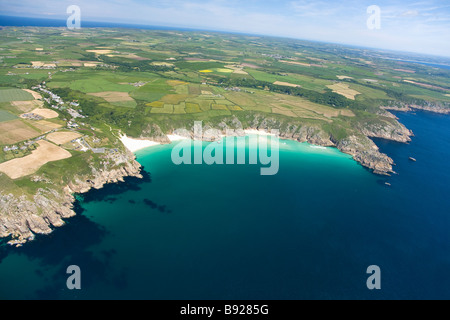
(412, 159)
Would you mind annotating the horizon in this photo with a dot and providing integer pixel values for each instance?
(419, 28)
(98, 24)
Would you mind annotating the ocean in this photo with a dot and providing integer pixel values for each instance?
(13, 21)
(226, 232)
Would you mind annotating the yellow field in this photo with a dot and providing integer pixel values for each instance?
(36, 95)
(223, 70)
(163, 64)
(45, 126)
(347, 113)
(237, 69)
(45, 113)
(100, 51)
(16, 131)
(174, 83)
(43, 64)
(91, 64)
(205, 71)
(46, 152)
(344, 90)
(113, 96)
(286, 84)
(175, 98)
(155, 104)
(343, 77)
(284, 111)
(63, 137)
(27, 106)
(219, 107)
(296, 63)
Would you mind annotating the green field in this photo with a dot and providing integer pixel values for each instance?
(8, 95)
(153, 91)
(6, 116)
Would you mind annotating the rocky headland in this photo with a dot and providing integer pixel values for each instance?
(21, 218)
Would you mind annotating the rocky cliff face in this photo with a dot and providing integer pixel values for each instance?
(359, 146)
(441, 108)
(385, 128)
(21, 218)
(367, 153)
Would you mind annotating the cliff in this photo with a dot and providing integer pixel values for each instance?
(442, 108)
(357, 143)
(21, 218)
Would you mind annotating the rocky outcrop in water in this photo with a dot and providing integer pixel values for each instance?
(21, 218)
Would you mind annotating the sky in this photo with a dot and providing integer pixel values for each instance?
(413, 26)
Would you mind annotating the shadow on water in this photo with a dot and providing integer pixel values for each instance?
(67, 246)
(155, 206)
(70, 245)
(109, 191)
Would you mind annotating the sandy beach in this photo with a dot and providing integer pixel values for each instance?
(135, 144)
(258, 132)
(138, 144)
(175, 137)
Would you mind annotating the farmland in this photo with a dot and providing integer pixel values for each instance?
(147, 83)
(46, 152)
(8, 95)
(6, 116)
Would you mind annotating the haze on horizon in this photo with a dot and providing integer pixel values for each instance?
(420, 26)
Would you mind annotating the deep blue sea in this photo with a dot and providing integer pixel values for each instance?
(226, 232)
(40, 22)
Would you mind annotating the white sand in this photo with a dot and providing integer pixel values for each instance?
(258, 132)
(134, 144)
(318, 147)
(175, 137)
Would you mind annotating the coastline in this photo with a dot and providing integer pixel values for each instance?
(133, 144)
(412, 108)
(362, 149)
(27, 217)
(22, 223)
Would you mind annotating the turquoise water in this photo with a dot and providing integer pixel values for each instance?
(226, 232)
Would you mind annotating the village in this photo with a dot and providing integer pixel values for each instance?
(73, 109)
